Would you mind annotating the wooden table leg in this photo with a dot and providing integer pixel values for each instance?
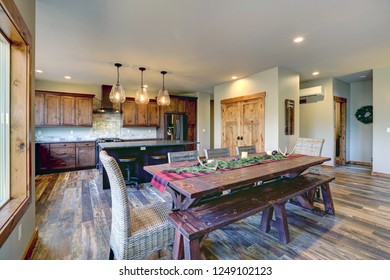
(281, 223)
(327, 198)
(178, 246)
(266, 218)
(191, 249)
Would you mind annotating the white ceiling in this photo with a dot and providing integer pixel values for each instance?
(202, 43)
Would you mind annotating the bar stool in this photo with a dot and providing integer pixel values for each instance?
(129, 180)
(159, 158)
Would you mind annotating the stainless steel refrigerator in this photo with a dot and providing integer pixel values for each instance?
(176, 126)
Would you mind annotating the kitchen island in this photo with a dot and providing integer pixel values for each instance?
(145, 153)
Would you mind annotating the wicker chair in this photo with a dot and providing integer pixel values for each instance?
(215, 153)
(309, 146)
(249, 149)
(138, 232)
(182, 156)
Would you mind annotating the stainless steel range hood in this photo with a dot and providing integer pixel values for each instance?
(105, 105)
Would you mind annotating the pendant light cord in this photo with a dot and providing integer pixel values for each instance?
(117, 71)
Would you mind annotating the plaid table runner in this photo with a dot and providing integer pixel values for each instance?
(160, 180)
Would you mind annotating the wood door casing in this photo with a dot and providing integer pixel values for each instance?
(243, 121)
(340, 122)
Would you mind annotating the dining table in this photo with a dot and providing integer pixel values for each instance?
(188, 189)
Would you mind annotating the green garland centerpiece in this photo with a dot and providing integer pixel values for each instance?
(212, 166)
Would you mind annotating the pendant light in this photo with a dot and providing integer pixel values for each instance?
(117, 93)
(141, 96)
(163, 95)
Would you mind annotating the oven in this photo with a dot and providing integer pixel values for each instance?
(103, 140)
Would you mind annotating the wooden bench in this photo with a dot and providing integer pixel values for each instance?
(193, 224)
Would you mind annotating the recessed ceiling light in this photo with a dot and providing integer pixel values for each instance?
(68, 77)
(316, 73)
(298, 39)
(39, 71)
(234, 77)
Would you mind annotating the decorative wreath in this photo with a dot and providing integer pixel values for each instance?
(364, 114)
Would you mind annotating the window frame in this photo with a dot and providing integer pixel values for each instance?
(16, 32)
(4, 120)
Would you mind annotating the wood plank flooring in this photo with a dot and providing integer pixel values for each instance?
(74, 216)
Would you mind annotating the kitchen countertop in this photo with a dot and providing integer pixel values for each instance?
(142, 143)
(81, 140)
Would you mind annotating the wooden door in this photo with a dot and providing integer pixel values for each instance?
(83, 111)
(252, 123)
(68, 110)
(340, 115)
(230, 126)
(153, 114)
(39, 109)
(52, 109)
(243, 122)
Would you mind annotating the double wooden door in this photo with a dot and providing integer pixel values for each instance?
(243, 122)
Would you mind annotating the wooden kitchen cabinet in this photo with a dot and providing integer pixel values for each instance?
(68, 113)
(140, 114)
(63, 109)
(83, 111)
(64, 156)
(52, 110)
(39, 109)
(85, 154)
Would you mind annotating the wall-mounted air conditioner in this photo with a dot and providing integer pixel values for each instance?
(312, 94)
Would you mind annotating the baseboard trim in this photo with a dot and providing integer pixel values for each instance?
(30, 247)
(360, 163)
(384, 175)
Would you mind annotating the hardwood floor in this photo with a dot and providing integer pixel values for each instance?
(73, 215)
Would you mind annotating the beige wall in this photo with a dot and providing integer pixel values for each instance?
(279, 84)
(288, 89)
(361, 134)
(316, 119)
(381, 122)
(13, 248)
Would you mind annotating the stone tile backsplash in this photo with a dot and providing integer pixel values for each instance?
(104, 125)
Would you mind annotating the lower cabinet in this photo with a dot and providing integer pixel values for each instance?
(85, 154)
(63, 156)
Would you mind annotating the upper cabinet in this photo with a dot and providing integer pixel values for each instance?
(140, 115)
(63, 109)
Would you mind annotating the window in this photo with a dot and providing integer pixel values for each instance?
(4, 121)
(15, 144)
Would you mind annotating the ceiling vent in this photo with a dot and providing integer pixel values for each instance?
(310, 95)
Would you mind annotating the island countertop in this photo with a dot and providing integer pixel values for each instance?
(139, 144)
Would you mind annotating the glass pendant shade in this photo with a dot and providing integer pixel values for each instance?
(141, 96)
(163, 95)
(117, 93)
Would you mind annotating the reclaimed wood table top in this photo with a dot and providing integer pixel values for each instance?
(197, 187)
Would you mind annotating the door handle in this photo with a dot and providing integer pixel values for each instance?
(241, 138)
(238, 137)
(22, 145)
